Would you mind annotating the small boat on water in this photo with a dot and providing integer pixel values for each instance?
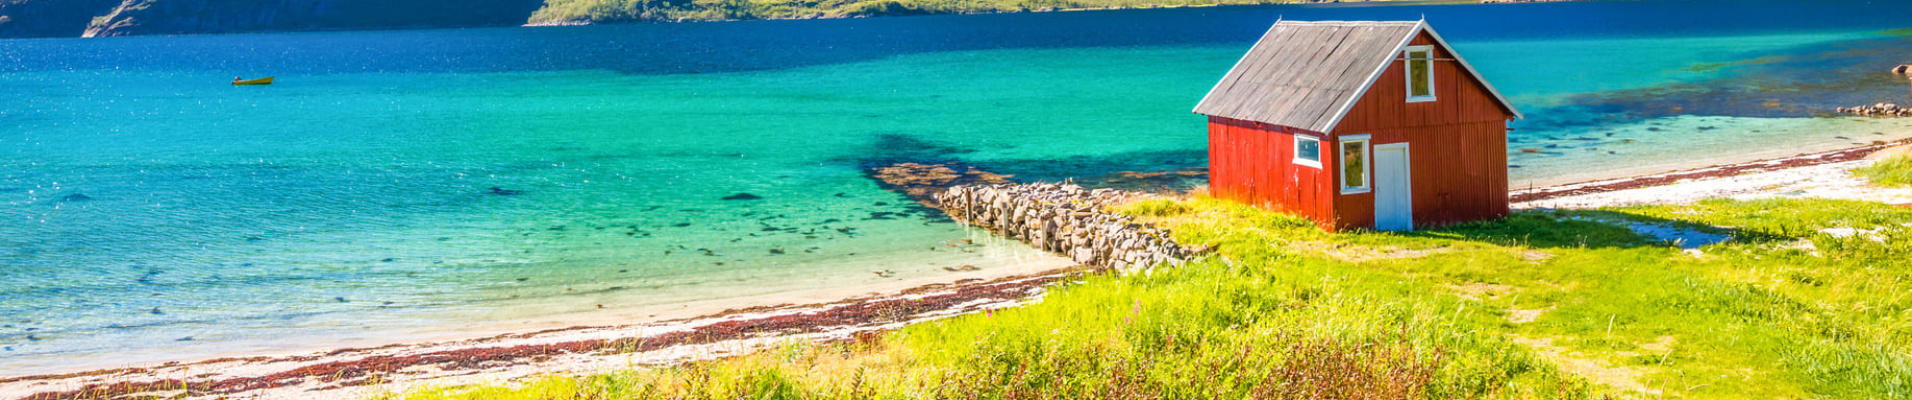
(244, 82)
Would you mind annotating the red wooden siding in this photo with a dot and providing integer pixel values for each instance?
(1457, 144)
(1253, 163)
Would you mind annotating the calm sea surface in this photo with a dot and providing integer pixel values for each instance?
(396, 181)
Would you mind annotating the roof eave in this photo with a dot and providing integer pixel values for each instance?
(1231, 69)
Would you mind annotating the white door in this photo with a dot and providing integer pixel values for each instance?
(1393, 193)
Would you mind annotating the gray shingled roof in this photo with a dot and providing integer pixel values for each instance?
(1308, 74)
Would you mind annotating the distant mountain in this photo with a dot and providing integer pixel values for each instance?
(97, 18)
(50, 18)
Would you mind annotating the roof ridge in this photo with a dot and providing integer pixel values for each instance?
(1347, 22)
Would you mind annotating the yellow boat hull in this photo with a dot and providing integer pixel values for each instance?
(248, 82)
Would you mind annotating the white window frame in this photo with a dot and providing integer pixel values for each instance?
(1297, 151)
(1367, 164)
(1407, 71)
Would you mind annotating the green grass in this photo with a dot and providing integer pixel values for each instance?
(672, 10)
(1542, 304)
(1891, 171)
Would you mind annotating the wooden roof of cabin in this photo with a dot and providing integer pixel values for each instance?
(1308, 74)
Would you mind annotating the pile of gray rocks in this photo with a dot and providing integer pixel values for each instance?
(1068, 220)
(1878, 110)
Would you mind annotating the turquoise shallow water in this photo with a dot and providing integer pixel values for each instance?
(394, 183)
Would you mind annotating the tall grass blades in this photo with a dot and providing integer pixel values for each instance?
(1890, 171)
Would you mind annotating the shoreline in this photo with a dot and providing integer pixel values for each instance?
(1098, 241)
(491, 358)
(925, 13)
(558, 315)
(354, 372)
(913, 13)
(1719, 171)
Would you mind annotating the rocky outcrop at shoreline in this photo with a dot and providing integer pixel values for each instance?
(1878, 110)
(1066, 219)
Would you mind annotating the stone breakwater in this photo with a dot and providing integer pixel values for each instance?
(1878, 110)
(1068, 220)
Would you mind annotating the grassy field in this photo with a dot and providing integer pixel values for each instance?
(672, 10)
(1542, 304)
(1891, 171)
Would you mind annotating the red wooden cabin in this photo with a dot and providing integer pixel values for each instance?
(1359, 125)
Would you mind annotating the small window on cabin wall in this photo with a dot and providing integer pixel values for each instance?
(1354, 165)
(1307, 151)
(1420, 73)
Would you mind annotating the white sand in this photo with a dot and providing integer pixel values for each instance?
(1829, 181)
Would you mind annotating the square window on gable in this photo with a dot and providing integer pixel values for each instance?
(1420, 73)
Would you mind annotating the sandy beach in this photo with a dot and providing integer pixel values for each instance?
(1820, 175)
(358, 372)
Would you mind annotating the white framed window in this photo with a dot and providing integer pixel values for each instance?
(1420, 73)
(1356, 169)
(1307, 150)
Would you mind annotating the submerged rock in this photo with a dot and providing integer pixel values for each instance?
(923, 181)
(743, 196)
